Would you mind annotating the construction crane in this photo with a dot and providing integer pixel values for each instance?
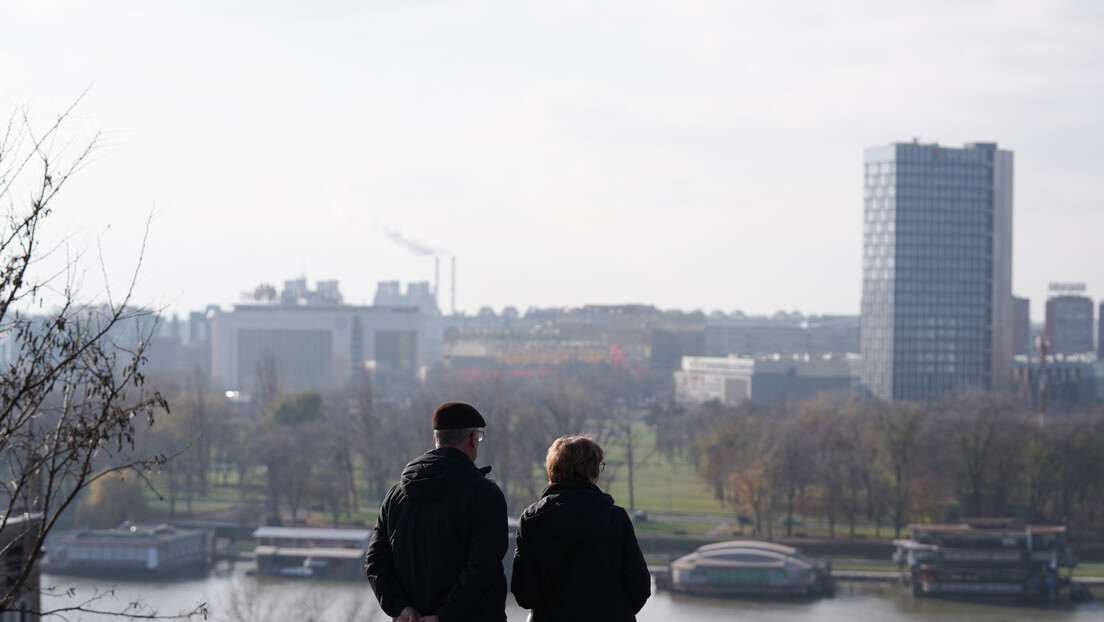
(1044, 346)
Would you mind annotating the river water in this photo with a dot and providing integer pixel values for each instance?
(237, 597)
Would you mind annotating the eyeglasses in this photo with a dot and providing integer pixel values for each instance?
(479, 436)
(601, 467)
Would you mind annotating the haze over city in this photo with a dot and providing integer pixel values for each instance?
(697, 156)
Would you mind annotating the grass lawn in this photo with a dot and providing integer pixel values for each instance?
(1088, 570)
(855, 564)
(361, 517)
(659, 485)
(673, 528)
(199, 506)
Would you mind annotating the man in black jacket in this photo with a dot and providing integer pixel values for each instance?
(436, 551)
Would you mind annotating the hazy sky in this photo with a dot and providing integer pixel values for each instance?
(693, 155)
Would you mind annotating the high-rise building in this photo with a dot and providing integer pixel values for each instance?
(1069, 319)
(1021, 326)
(937, 270)
(1100, 333)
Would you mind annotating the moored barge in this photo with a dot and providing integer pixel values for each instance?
(131, 551)
(311, 553)
(987, 558)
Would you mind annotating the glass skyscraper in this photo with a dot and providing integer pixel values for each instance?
(937, 270)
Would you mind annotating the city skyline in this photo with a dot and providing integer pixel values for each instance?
(597, 153)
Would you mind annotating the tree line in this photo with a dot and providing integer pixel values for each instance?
(339, 451)
(894, 463)
(845, 460)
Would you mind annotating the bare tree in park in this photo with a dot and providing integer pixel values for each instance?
(72, 399)
(985, 437)
(898, 426)
(791, 468)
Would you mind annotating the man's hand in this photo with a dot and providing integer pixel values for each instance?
(409, 614)
(429, 619)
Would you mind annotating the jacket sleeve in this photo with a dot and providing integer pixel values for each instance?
(379, 563)
(636, 580)
(525, 580)
(486, 550)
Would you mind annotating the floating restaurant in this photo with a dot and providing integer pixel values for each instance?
(749, 568)
(987, 558)
(129, 550)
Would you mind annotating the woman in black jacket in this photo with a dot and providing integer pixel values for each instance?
(577, 558)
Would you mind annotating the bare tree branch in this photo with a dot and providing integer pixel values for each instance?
(73, 393)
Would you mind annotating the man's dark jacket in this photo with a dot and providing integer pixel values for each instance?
(577, 557)
(439, 541)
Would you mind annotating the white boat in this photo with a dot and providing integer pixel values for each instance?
(309, 569)
(750, 568)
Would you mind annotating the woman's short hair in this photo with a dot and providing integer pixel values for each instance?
(573, 458)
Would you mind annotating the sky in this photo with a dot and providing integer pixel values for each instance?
(688, 155)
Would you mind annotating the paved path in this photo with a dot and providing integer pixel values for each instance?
(716, 531)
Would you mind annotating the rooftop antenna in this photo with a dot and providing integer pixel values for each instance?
(454, 284)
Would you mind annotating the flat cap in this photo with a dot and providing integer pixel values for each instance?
(457, 415)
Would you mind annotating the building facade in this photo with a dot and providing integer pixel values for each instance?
(786, 336)
(1069, 319)
(937, 270)
(1100, 333)
(765, 380)
(1071, 383)
(706, 378)
(633, 336)
(1021, 327)
(316, 347)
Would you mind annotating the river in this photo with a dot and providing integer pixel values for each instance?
(236, 597)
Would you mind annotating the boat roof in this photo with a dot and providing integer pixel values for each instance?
(914, 545)
(312, 533)
(128, 532)
(734, 545)
(987, 526)
(317, 553)
(745, 554)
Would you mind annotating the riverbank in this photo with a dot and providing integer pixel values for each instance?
(235, 596)
(890, 576)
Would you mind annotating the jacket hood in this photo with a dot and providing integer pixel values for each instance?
(436, 473)
(575, 513)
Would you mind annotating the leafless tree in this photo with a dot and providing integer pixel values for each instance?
(791, 469)
(984, 436)
(898, 425)
(73, 392)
